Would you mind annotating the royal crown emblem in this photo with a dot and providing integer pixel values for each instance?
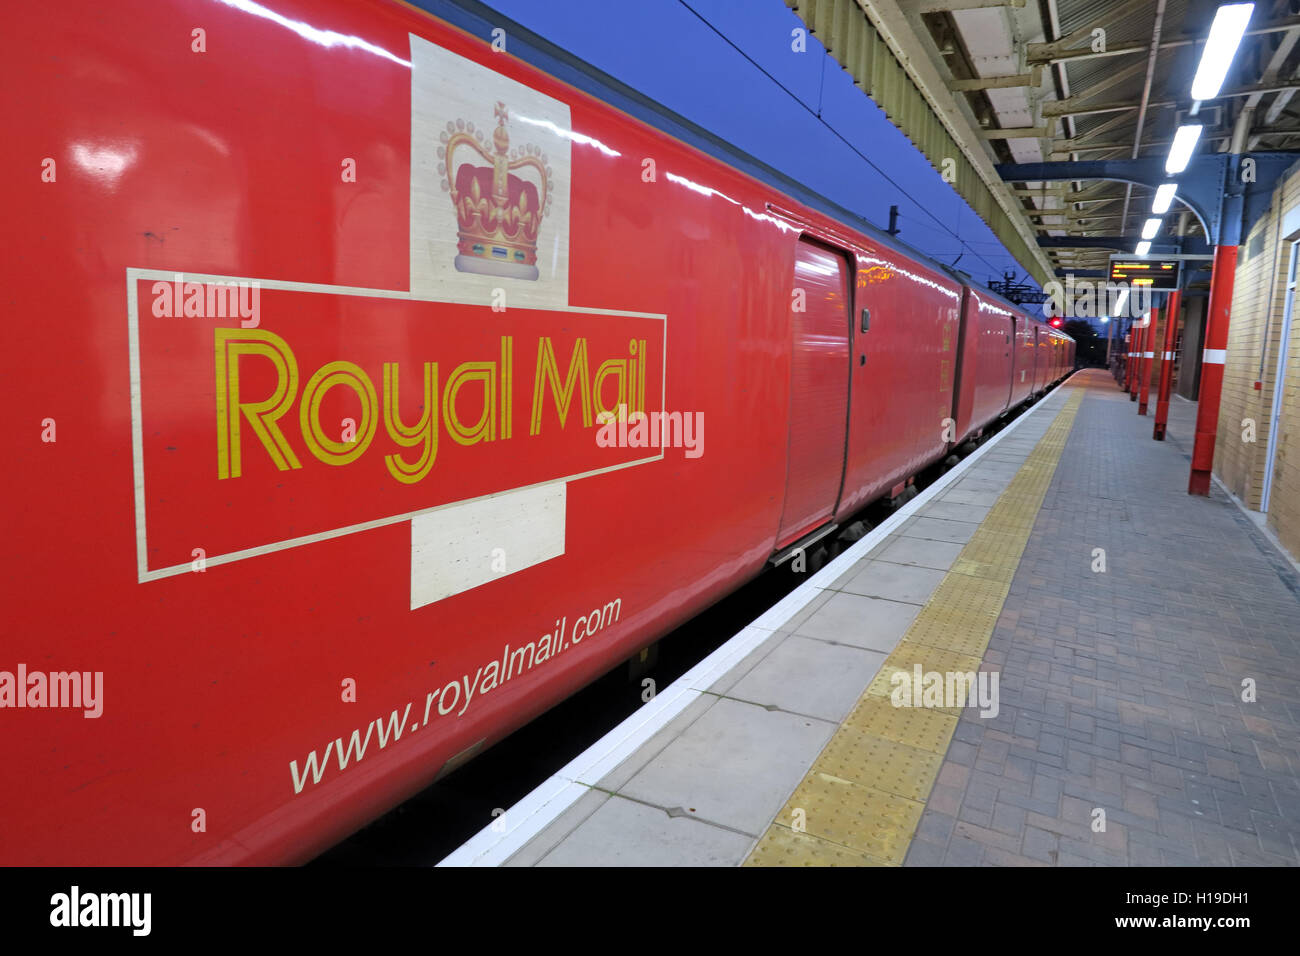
(498, 213)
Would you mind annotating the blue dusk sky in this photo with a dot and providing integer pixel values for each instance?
(728, 66)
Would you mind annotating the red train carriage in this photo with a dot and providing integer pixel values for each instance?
(377, 390)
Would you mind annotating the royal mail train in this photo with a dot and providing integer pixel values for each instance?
(372, 390)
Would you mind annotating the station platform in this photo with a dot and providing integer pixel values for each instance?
(1137, 651)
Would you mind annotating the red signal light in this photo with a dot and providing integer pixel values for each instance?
(1056, 323)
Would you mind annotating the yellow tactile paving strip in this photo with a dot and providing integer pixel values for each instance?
(861, 802)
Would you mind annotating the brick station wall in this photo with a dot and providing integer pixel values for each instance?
(1258, 304)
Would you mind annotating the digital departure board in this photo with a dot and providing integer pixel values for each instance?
(1156, 274)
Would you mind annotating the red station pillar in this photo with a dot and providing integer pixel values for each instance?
(1135, 344)
(1128, 359)
(1217, 316)
(1167, 364)
(1148, 354)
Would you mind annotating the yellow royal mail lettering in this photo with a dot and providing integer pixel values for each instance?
(424, 432)
(322, 446)
(340, 410)
(629, 374)
(232, 345)
(548, 373)
(484, 385)
(485, 373)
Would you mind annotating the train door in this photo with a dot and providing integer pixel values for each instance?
(1039, 373)
(1009, 362)
(1022, 382)
(819, 390)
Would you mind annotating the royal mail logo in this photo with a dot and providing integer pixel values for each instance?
(499, 213)
(349, 409)
(467, 401)
(491, 163)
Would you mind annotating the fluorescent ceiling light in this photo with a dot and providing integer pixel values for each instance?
(1150, 228)
(1184, 144)
(1221, 46)
(1164, 198)
(1142, 248)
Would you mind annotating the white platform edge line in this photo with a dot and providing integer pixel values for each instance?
(545, 803)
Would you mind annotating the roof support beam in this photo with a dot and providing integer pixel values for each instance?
(1201, 188)
(1226, 205)
(1276, 107)
(1054, 52)
(1089, 242)
(1083, 53)
(1119, 76)
(947, 6)
(1078, 106)
(1285, 86)
(1106, 126)
(1029, 132)
(1083, 213)
(1038, 52)
(1152, 56)
(1097, 192)
(1094, 217)
(1032, 78)
(1076, 146)
(1271, 72)
(1073, 217)
(1275, 65)
(1186, 245)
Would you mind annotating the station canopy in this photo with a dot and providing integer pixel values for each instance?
(993, 82)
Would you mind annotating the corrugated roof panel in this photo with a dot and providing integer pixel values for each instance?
(878, 73)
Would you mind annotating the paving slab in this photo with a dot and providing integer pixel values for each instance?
(623, 832)
(922, 552)
(735, 765)
(894, 582)
(867, 622)
(808, 676)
